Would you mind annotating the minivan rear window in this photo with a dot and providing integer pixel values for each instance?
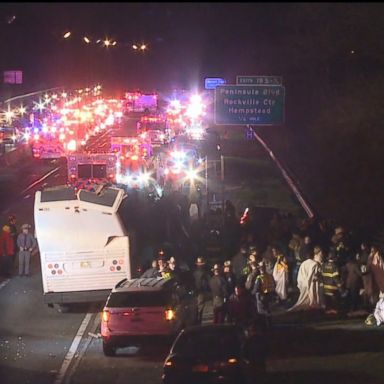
(138, 299)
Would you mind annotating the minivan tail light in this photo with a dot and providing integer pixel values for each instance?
(169, 314)
(106, 316)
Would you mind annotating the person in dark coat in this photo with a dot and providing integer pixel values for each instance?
(229, 277)
(239, 307)
(362, 260)
(218, 288)
(353, 283)
(151, 272)
(201, 278)
(306, 249)
(332, 284)
(251, 277)
(174, 269)
(264, 291)
(239, 262)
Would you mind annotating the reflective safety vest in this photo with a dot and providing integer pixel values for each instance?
(267, 283)
(246, 270)
(166, 275)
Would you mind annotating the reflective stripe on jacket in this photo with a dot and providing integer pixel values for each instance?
(267, 283)
(331, 279)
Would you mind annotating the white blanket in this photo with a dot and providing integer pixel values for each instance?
(280, 275)
(379, 312)
(311, 292)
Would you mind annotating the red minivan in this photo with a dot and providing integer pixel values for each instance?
(145, 307)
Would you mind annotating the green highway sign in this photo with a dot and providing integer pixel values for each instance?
(249, 105)
(259, 80)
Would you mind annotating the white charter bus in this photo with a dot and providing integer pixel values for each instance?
(84, 249)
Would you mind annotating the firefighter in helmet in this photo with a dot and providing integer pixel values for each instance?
(263, 291)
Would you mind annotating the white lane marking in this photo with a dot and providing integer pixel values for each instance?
(72, 350)
(4, 283)
(40, 180)
(82, 351)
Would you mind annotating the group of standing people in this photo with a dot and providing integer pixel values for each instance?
(334, 277)
(301, 269)
(13, 244)
(234, 299)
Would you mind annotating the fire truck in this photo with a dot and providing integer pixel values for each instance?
(155, 130)
(139, 102)
(47, 148)
(127, 147)
(86, 171)
(132, 161)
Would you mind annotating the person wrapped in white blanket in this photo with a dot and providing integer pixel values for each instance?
(379, 310)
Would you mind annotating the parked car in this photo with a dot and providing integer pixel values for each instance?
(146, 307)
(213, 354)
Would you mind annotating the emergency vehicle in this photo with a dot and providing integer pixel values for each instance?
(155, 130)
(131, 166)
(85, 171)
(128, 147)
(47, 149)
(139, 102)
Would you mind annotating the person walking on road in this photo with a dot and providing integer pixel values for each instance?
(6, 251)
(202, 278)
(353, 284)
(219, 295)
(239, 262)
(26, 243)
(362, 259)
(251, 277)
(229, 277)
(332, 284)
(239, 307)
(280, 275)
(264, 291)
(310, 285)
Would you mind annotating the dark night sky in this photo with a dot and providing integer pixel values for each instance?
(187, 41)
